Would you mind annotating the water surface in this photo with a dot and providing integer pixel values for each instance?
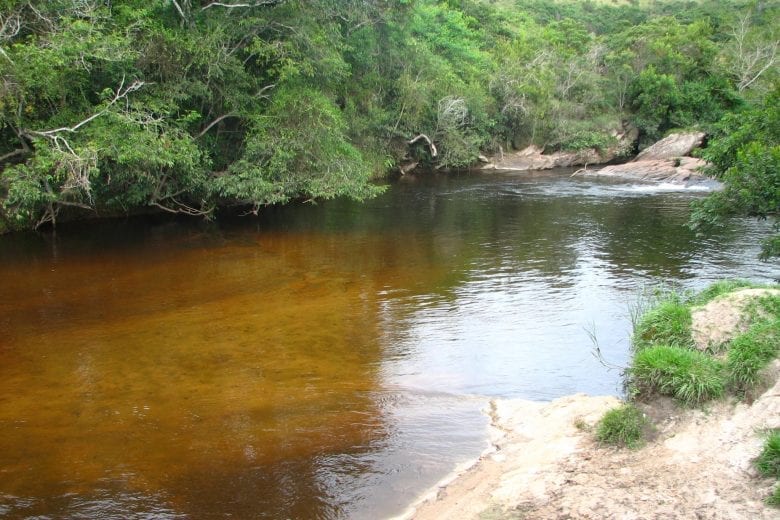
(324, 361)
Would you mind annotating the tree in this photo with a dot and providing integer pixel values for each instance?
(745, 155)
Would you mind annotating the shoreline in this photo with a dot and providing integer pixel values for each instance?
(543, 462)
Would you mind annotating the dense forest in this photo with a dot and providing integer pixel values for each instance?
(186, 106)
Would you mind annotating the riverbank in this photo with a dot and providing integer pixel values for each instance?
(695, 462)
(547, 464)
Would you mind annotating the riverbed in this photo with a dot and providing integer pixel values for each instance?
(328, 360)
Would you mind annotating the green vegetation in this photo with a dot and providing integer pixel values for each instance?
(188, 106)
(750, 352)
(669, 322)
(622, 426)
(666, 361)
(768, 464)
(687, 375)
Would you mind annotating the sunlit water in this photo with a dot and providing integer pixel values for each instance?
(327, 361)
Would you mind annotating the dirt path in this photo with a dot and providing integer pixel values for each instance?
(548, 466)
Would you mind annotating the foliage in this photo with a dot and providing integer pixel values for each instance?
(745, 154)
(188, 106)
(687, 375)
(622, 426)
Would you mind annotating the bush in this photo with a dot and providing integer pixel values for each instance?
(622, 426)
(687, 375)
(668, 323)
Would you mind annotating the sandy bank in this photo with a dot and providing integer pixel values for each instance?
(547, 465)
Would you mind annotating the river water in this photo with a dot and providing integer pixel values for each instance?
(323, 361)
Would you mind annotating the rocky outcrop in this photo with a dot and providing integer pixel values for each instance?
(681, 170)
(672, 146)
(534, 158)
(665, 161)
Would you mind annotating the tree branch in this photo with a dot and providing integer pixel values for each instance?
(20, 151)
(425, 138)
(211, 125)
(258, 3)
(120, 94)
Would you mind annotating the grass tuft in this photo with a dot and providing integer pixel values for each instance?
(668, 323)
(687, 375)
(774, 498)
(768, 463)
(622, 426)
(751, 352)
(719, 289)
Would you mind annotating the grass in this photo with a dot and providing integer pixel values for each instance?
(750, 352)
(668, 323)
(687, 375)
(768, 464)
(622, 426)
(666, 363)
(719, 289)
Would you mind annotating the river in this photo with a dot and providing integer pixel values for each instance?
(322, 361)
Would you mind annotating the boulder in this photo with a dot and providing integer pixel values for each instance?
(533, 158)
(680, 170)
(671, 146)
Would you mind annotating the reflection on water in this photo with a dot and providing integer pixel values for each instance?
(326, 361)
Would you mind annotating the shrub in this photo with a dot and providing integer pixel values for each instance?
(668, 323)
(750, 352)
(687, 375)
(622, 426)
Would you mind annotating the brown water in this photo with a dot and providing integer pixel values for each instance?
(325, 361)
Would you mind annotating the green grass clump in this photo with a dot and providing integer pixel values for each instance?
(687, 375)
(622, 426)
(774, 498)
(720, 288)
(668, 323)
(750, 352)
(768, 463)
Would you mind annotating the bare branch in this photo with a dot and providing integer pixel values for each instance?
(119, 94)
(258, 3)
(182, 208)
(20, 151)
(425, 138)
(180, 10)
(750, 58)
(211, 125)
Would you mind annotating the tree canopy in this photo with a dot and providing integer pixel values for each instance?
(186, 106)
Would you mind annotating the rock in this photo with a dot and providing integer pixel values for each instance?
(720, 320)
(671, 146)
(681, 170)
(533, 158)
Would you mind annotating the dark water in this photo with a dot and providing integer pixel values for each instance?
(326, 361)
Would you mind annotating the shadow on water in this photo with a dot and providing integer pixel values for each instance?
(324, 361)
